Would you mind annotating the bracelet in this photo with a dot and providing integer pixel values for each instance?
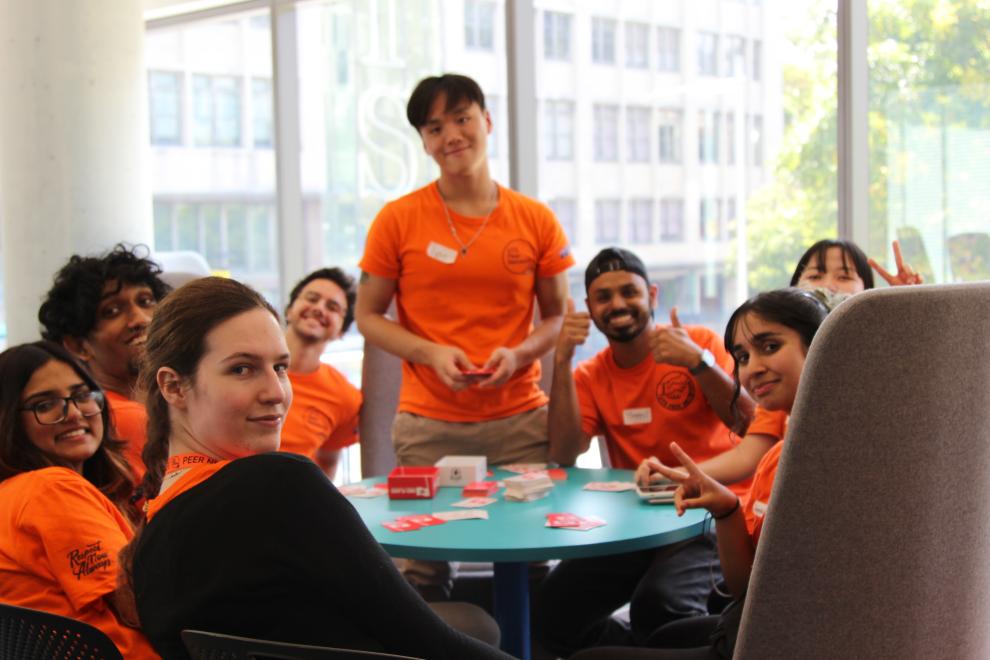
(729, 512)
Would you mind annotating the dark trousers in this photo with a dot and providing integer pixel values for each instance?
(572, 608)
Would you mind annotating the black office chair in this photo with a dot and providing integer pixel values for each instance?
(27, 634)
(214, 646)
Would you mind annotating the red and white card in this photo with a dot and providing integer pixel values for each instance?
(610, 486)
(421, 519)
(574, 522)
(400, 525)
(472, 502)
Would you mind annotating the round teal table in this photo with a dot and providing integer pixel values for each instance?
(515, 534)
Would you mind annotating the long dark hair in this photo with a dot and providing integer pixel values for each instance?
(796, 309)
(106, 469)
(850, 252)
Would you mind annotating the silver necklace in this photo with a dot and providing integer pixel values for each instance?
(453, 230)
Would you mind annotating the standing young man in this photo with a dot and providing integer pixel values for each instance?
(99, 308)
(652, 385)
(325, 408)
(466, 261)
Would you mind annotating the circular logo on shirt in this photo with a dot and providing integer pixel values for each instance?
(519, 257)
(675, 391)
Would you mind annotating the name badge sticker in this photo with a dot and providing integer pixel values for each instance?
(759, 509)
(441, 253)
(633, 416)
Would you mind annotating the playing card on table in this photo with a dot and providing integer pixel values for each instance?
(562, 520)
(523, 468)
(610, 486)
(475, 501)
(357, 490)
(587, 522)
(400, 525)
(470, 514)
(421, 519)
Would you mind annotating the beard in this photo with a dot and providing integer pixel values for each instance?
(627, 333)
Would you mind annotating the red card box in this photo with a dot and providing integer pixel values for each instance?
(480, 489)
(413, 483)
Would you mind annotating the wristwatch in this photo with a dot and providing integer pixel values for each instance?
(707, 360)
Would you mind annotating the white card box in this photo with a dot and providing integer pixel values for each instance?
(461, 470)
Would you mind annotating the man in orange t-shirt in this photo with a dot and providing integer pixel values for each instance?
(99, 308)
(652, 385)
(467, 262)
(59, 540)
(325, 408)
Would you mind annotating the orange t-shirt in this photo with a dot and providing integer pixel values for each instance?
(477, 302)
(324, 412)
(130, 419)
(755, 502)
(200, 471)
(59, 540)
(641, 410)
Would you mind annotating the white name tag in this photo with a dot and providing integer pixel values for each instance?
(441, 253)
(632, 416)
(759, 509)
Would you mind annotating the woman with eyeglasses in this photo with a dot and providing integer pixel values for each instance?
(64, 494)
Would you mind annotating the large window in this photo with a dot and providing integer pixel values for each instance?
(216, 110)
(556, 36)
(641, 221)
(479, 25)
(637, 45)
(603, 40)
(709, 141)
(707, 45)
(606, 133)
(669, 49)
(607, 221)
(559, 130)
(638, 134)
(165, 104)
(670, 134)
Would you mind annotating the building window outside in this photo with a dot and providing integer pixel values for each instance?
(165, 103)
(638, 134)
(641, 221)
(493, 104)
(735, 57)
(756, 140)
(730, 137)
(669, 49)
(603, 40)
(710, 216)
(216, 111)
(670, 133)
(560, 130)
(607, 220)
(708, 136)
(261, 110)
(556, 36)
(637, 45)
(479, 25)
(606, 133)
(672, 220)
(565, 210)
(707, 54)
(757, 59)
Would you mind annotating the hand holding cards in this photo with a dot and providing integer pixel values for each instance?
(658, 493)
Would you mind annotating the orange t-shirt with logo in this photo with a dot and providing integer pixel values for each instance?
(59, 540)
(130, 420)
(324, 413)
(757, 500)
(477, 302)
(642, 409)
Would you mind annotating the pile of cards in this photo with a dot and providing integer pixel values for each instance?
(480, 489)
(573, 522)
(357, 490)
(473, 502)
(410, 523)
(528, 487)
(610, 486)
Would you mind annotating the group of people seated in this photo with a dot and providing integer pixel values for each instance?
(164, 454)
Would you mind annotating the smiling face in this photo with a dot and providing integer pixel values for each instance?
(457, 139)
(769, 358)
(76, 438)
(621, 304)
(838, 273)
(238, 397)
(317, 314)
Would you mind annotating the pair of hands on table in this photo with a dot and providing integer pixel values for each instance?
(669, 344)
(695, 488)
(450, 363)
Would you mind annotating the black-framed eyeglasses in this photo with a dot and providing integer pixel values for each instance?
(55, 409)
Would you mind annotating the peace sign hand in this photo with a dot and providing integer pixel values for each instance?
(696, 489)
(905, 274)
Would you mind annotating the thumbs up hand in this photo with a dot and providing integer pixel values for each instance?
(573, 331)
(671, 344)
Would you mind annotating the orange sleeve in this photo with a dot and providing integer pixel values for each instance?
(591, 420)
(381, 247)
(555, 253)
(80, 534)
(772, 423)
(345, 434)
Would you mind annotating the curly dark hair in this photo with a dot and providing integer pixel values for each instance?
(338, 277)
(69, 309)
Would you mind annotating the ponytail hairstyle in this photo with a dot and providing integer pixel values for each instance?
(797, 309)
(177, 339)
(107, 469)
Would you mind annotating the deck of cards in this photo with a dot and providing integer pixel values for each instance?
(610, 486)
(412, 523)
(528, 487)
(357, 490)
(573, 522)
